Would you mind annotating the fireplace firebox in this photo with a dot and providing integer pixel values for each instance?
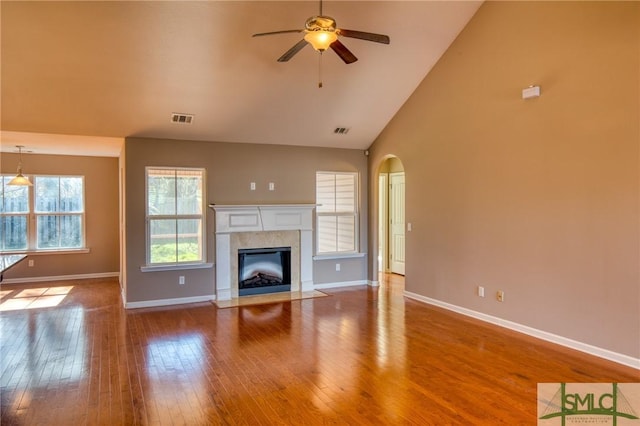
(264, 270)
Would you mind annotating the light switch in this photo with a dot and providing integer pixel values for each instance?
(531, 92)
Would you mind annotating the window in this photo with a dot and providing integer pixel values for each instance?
(14, 216)
(175, 221)
(337, 213)
(59, 211)
(46, 216)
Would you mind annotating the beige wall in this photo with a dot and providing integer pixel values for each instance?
(538, 198)
(101, 204)
(230, 169)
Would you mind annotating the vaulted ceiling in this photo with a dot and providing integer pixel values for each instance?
(78, 77)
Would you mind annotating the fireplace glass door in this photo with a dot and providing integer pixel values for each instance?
(264, 270)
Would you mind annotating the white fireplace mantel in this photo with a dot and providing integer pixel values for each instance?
(231, 219)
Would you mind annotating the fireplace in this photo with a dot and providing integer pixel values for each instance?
(264, 270)
(241, 227)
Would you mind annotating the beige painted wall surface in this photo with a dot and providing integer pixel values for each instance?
(230, 169)
(101, 205)
(539, 198)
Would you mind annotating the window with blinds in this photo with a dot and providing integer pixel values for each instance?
(337, 212)
(175, 220)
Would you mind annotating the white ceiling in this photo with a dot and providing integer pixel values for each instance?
(102, 71)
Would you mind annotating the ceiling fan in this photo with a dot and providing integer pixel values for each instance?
(322, 33)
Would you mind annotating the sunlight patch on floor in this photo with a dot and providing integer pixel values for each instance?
(33, 298)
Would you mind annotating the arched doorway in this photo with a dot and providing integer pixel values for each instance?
(391, 223)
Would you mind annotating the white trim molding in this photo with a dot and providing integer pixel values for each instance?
(339, 284)
(60, 278)
(338, 256)
(530, 331)
(175, 267)
(169, 302)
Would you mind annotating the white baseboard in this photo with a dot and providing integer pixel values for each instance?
(61, 278)
(543, 335)
(339, 284)
(373, 283)
(169, 302)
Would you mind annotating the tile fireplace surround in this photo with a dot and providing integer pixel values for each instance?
(261, 226)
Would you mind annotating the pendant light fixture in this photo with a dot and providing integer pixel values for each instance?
(20, 180)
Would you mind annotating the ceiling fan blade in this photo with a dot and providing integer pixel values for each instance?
(378, 38)
(277, 32)
(295, 49)
(342, 51)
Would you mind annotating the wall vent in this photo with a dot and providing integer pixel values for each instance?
(341, 130)
(182, 118)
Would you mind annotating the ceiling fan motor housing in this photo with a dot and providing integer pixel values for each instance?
(320, 23)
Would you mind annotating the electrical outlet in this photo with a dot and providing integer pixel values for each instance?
(272, 186)
(181, 280)
(480, 291)
(500, 296)
(252, 186)
(337, 267)
(31, 263)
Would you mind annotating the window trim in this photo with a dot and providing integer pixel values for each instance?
(32, 219)
(175, 266)
(43, 252)
(333, 256)
(355, 214)
(82, 214)
(202, 263)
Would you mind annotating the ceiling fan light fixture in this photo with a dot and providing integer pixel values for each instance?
(321, 32)
(320, 40)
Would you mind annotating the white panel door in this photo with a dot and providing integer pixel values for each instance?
(383, 203)
(396, 223)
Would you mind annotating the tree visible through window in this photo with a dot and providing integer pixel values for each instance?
(59, 208)
(14, 216)
(336, 221)
(175, 222)
(56, 204)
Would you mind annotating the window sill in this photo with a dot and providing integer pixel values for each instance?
(44, 252)
(338, 256)
(175, 267)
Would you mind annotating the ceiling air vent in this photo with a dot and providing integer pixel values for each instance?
(341, 130)
(182, 118)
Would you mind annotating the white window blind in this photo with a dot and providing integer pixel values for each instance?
(337, 214)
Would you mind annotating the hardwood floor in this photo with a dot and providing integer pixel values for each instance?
(359, 356)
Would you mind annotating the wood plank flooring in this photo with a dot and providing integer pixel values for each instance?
(361, 356)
